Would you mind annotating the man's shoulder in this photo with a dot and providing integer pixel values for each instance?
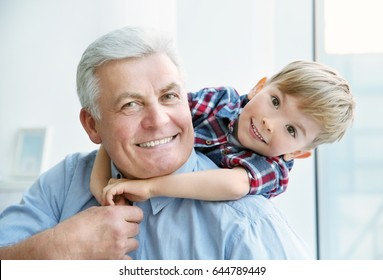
(71, 163)
(67, 183)
(254, 207)
(81, 157)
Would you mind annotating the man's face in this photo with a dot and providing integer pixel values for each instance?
(145, 124)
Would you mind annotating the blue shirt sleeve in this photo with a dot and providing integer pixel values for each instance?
(58, 194)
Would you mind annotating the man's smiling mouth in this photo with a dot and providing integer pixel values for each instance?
(154, 143)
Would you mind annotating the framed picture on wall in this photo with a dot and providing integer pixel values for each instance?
(31, 152)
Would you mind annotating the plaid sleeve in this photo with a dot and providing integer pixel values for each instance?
(206, 103)
(268, 176)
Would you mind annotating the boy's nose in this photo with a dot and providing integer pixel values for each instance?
(268, 125)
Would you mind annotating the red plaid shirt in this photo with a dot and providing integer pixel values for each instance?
(214, 112)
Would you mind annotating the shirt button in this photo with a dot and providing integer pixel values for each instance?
(208, 142)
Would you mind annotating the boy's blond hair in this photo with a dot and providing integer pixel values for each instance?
(323, 94)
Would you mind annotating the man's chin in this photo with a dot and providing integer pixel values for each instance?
(166, 168)
(154, 169)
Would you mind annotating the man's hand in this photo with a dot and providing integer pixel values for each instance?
(99, 233)
(104, 232)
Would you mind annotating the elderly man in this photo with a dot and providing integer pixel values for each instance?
(134, 103)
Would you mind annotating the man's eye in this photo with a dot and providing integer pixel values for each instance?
(291, 130)
(170, 97)
(130, 105)
(275, 101)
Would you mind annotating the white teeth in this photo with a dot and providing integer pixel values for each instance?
(154, 143)
(257, 133)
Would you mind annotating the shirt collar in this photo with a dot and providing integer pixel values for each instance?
(158, 203)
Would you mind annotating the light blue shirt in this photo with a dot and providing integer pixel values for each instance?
(173, 228)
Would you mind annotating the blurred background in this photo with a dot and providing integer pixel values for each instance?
(334, 199)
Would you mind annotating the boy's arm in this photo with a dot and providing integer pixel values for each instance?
(214, 185)
(268, 177)
(100, 175)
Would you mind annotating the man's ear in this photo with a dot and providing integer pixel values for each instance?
(297, 154)
(89, 124)
(257, 88)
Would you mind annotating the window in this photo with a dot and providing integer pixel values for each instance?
(350, 185)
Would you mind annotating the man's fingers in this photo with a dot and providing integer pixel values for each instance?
(132, 245)
(132, 213)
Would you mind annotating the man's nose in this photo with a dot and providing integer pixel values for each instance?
(268, 125)
(155, 116)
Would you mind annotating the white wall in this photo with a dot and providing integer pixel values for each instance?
(223, 42)
(41, 44)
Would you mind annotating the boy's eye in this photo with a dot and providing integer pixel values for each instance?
(291, 130)
(275, 101)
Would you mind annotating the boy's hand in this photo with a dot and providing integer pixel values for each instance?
(120, 191)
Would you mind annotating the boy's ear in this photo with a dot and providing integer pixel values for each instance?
(261, 83)
(297, 154)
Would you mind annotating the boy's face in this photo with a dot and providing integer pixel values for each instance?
(271, 124)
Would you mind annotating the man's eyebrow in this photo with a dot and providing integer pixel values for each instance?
(127, 95)
(136, 95)
(170, 87)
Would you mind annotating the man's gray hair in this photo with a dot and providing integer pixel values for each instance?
(127, 42)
